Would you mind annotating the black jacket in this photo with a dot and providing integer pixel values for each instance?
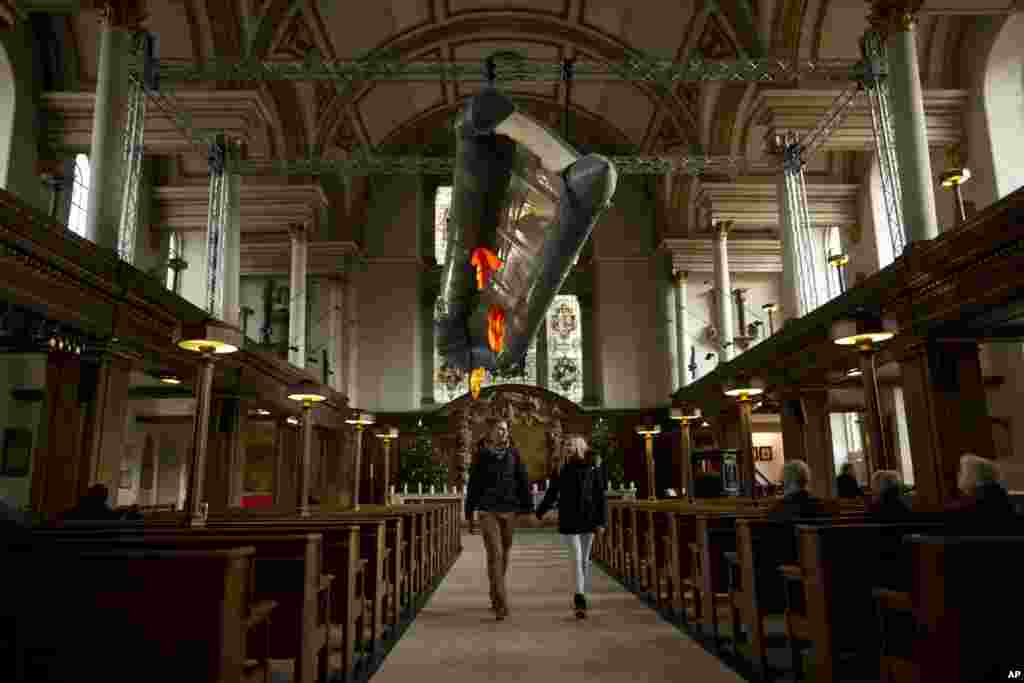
(889, 506)
(497, 484)
(579, 491)
(795, 506)
(847, 487)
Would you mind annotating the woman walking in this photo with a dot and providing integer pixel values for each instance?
(582, 510)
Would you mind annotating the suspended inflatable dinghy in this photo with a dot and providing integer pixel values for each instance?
(523, 205)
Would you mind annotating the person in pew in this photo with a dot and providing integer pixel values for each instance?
(93, 505)
(887, 502)
(796, 502)
(846, 483)
(984, 500)
(582, 512)
(499, 488)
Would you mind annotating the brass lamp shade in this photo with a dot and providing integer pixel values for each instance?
(210, 336)
(357, 418)
(645, 430)
(168, 378)
(863, 331)
(307, 393)
(836, 260)
(854, 372)
(292, 421)
(677, 413)
(388, 433)
(743, 389)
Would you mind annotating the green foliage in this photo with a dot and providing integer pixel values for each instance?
(417, 464)
(606, 447)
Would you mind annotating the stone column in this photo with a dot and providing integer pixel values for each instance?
(679, 281)
(790, 290)
(896, 20)
(336, 331)
(726, 331)
(110, 113)
(232, 249)
(947, 415)
(817, 430)
(297, 296)
(877, 451)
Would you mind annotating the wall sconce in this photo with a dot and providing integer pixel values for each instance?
(955, 175)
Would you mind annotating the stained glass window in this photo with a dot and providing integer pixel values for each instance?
(79, 196)
(442, 205)
(565, 348)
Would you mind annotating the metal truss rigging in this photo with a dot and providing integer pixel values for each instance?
(637, 68)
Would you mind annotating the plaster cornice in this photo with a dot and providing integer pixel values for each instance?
(273, 257)
(802, 110)
(745, 255)
(264, 208)
(756, 205)
(239, 113)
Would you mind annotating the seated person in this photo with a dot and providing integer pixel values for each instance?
(887, 502)
(984, 500)
(93, 505)
(846, 483)
(796, 501)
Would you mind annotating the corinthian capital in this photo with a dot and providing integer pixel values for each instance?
(893, 16)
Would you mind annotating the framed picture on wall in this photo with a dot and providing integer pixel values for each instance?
(17, 453)
(764, 453)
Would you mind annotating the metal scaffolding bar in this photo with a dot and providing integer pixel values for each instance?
(131, 172)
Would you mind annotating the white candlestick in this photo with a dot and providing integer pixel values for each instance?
(609, 486)
(405, 489)
(391, 490)
(431, 489)
(420, 488)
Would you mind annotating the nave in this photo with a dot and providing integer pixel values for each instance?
(455, 637)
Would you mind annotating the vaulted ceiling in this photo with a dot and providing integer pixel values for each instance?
(714, 118)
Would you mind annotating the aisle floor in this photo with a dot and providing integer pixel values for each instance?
(456, 638)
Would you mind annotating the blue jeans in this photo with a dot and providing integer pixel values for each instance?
(580, 546)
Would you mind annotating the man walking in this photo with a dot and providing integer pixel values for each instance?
(499, 488)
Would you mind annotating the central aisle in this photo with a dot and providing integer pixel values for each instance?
(455, 637)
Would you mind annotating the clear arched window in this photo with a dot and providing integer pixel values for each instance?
(565, 348)
(79, 195)
(173, 252)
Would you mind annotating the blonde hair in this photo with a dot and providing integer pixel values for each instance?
(976, 471)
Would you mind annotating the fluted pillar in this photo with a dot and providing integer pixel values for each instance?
(679, 282)
(896, 19)
(297, 296)
(110, 114)
(336, 353)
(723, 287)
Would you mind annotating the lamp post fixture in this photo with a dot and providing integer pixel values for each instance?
(360, 420)
(307, 394)
(648, 431)
(743, 390)
(770, 309)
(955, 175)
(865, 331)
(387, 436)
(686, 458)
(210, 338)
(837, 261)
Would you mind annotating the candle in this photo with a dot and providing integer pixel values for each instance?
(405, 489)
(420, 488)
(546, 484)
(391, 489)
(431, 489)
(609, 486)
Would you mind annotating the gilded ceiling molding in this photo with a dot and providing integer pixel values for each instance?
(801, 110)
(238, 113)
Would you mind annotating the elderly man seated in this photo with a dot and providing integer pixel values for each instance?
(796, 501)
(887, 502)
(984, 500)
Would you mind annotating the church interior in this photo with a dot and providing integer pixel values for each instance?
(268, 283)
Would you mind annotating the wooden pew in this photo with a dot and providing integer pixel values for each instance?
(127, 615)
(829, 593)
(286, 569)
(945, 626)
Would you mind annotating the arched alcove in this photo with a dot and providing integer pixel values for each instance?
(1004, 104)
(7, 104)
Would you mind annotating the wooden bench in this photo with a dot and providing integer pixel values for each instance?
(286, 569)
(829, 593)
(946, 625)
(163, 615)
